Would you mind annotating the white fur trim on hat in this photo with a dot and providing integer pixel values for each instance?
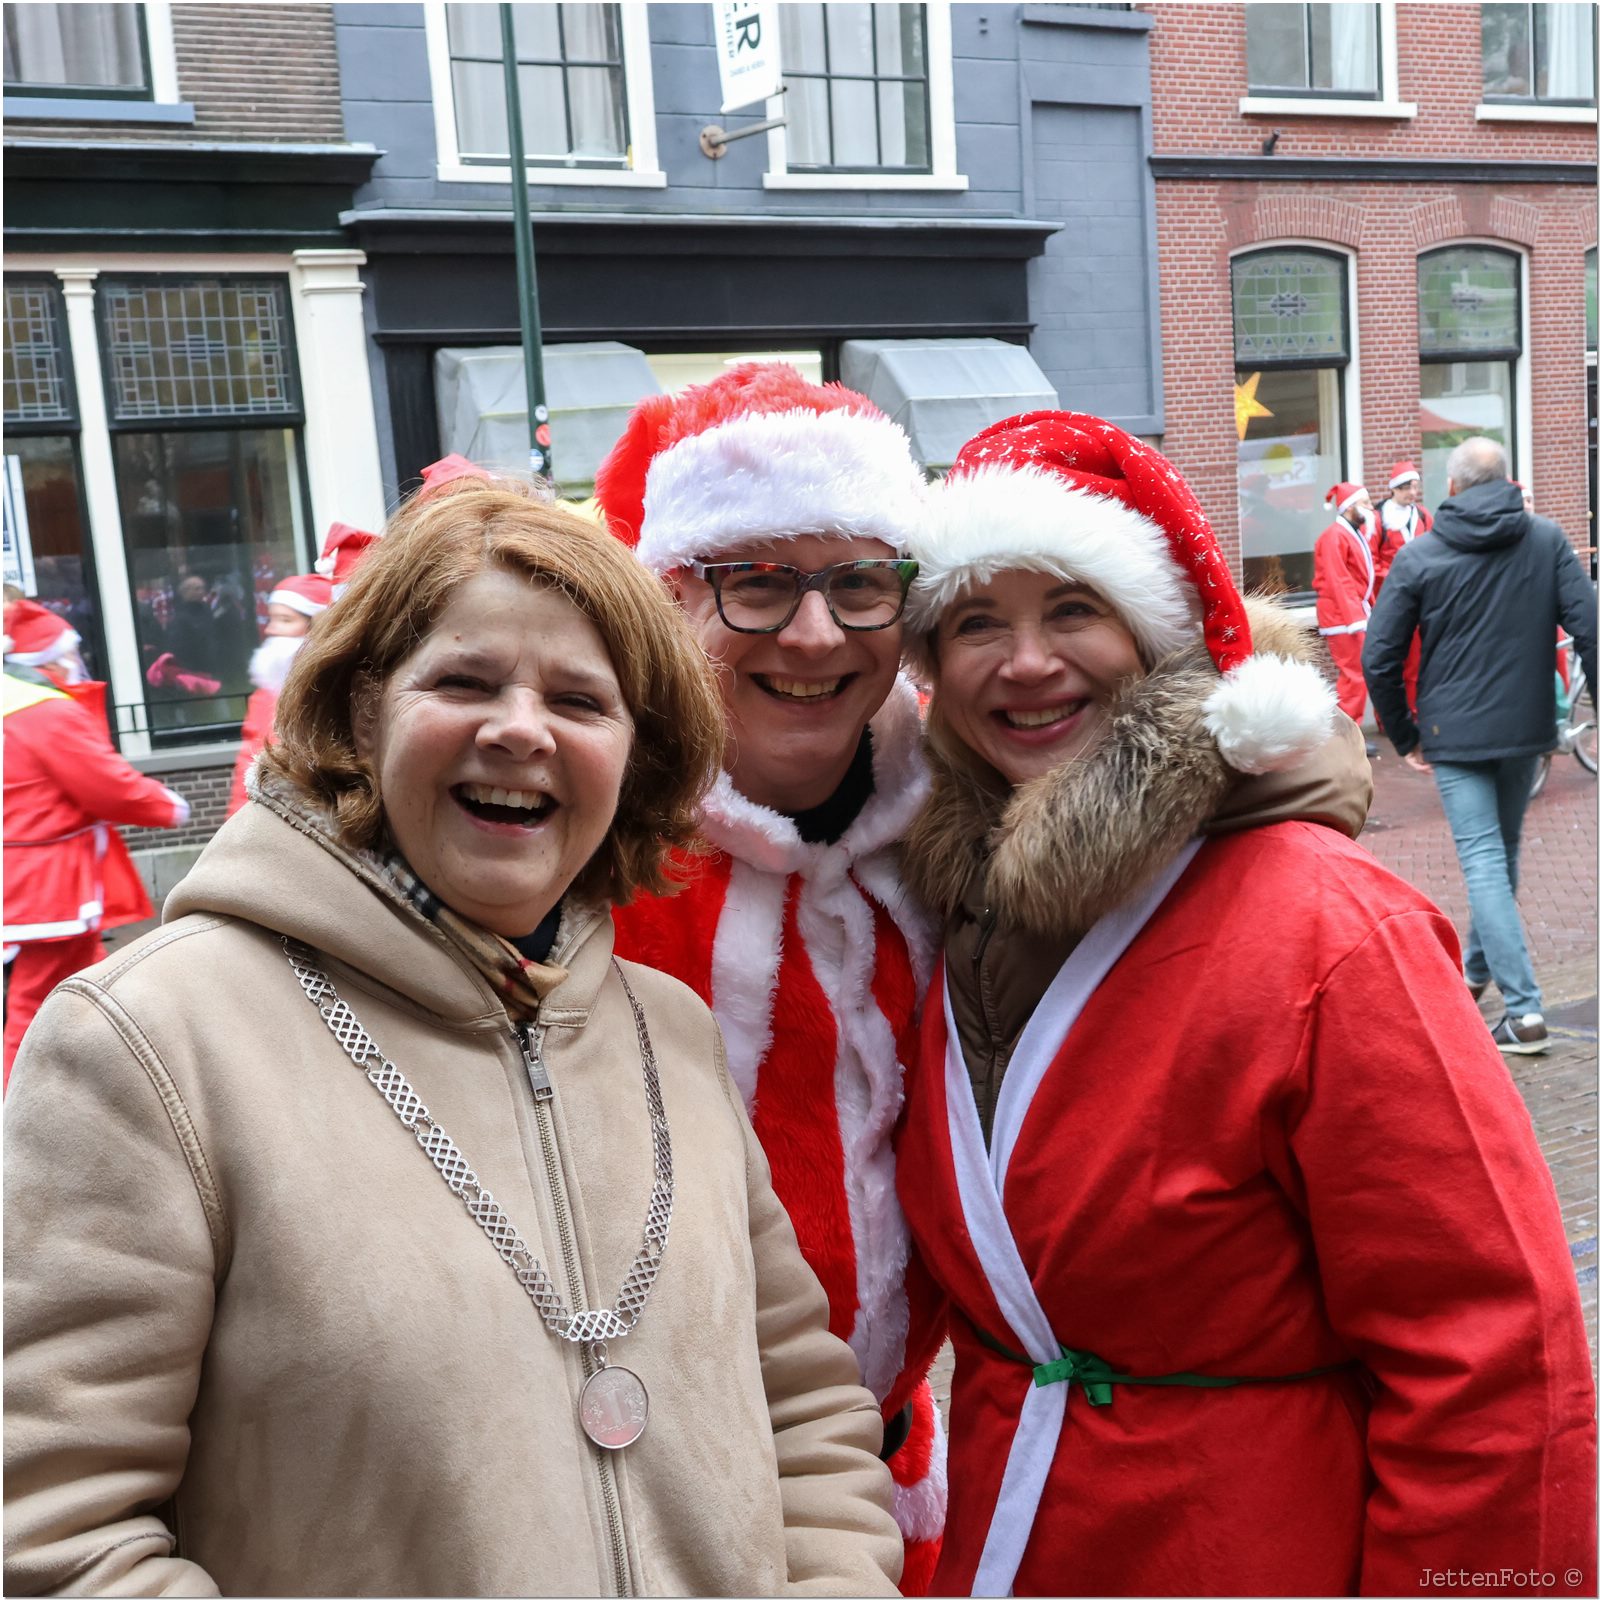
(1410, 475)
(65, 643)
(1270, 713)
(775, 475)
(999, 518)
(1357, 492)
(304, 604)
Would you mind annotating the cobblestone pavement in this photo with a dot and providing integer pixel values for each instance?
(1407, 832)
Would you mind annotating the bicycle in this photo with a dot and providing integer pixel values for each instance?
(1577, 731)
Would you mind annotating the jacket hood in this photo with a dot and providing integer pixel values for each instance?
(1488, 516)
(1055, 854)
(278, 864)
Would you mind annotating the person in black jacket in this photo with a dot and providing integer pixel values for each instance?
(1486, 592)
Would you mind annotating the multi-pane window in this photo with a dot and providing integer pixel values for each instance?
(48, 552)
(77, 50)
(1469, 338)
(1542, 53)
(570, 83)
(857, 77)
(1313, 50)
(204, 406)
(1291, 345)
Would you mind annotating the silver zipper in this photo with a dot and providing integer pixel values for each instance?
(531, 1042)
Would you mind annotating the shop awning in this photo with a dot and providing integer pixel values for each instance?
(942, 391)
(590, 389)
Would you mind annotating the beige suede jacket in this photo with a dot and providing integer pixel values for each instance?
(254, 1344)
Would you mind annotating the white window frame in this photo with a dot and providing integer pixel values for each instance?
(1579, 116)
(644, 171)
(163, 53)
(941, 130)
(1390, 106)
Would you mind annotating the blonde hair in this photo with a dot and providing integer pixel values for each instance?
(433, 545)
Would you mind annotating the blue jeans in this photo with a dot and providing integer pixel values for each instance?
(1484, 803)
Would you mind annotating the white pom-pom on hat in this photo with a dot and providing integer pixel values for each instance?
(1269, 713)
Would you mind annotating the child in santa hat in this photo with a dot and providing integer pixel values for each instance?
(778, 511)
(1258, 1283)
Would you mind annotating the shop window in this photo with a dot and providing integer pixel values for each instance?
(857, 78)
(1292, 349)
(204, 406)
(47, 550)
(1312, 50)
(90, 51)
(569, 73)
(1541, 54)
(1469, 337)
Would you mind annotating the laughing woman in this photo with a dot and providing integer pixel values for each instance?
(369, 1228)
(1259, 1281)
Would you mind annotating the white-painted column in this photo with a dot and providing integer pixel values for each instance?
(105, 514)
(341, 435)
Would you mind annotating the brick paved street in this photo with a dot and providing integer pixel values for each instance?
(1407, 832)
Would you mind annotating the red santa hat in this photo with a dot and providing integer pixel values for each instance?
(1072, 495)
(309, 595)
(1343, 495)
(35, 636)
(341, 551)
(757, 454)
(1404, 472)
(451, 469)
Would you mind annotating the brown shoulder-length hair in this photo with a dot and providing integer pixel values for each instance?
(431, 547)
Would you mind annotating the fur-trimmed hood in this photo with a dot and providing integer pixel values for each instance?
(1054, 855)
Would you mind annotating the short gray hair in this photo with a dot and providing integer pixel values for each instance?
(1474, 461)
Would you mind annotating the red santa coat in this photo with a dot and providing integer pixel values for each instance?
(259, 711)
(1295, 1160)
(1343, 574)
(814, 959)
(66, 869)
(1397, 525)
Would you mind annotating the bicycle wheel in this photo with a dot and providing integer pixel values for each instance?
(1581, 719)
(1541, 776)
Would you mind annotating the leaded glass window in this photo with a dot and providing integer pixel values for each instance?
(857, 77)
(1289, 305)
(1467, 302)
(37, 381)
(570, 81)
(198, 347)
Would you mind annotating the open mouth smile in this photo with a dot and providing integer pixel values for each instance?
(521, 808)
(802, 690)
(1044, 717)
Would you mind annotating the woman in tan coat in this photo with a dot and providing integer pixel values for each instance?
(369, 1228)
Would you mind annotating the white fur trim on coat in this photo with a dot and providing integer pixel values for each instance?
(774, 475)
(999, 518)
(1270, 713)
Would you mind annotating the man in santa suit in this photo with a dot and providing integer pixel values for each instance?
(777, 511)
(292, 606)
(1401, 518)
(68, 874)
(1344, 575)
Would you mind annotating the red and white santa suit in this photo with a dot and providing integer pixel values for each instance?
(1259, 1284)
(812, 955)
(1344, 576)
(1398, 525)
(68, 874)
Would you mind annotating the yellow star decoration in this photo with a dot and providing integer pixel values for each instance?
(1245, 404)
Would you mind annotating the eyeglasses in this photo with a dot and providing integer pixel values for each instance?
(763, 596)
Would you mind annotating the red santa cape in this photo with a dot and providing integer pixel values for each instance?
(814, 958)
(1345, 576)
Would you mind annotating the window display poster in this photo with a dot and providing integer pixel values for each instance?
(18, 545)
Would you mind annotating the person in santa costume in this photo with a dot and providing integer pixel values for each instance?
(68, 875)
(292, 606)
(1257, 1277)
(1401, 518)
(1344, 576)
(778, 511)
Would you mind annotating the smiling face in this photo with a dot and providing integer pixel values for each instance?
(500, 745)
(1026, 667)
(797, 701)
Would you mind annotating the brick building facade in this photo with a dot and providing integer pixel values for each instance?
(1369, 186)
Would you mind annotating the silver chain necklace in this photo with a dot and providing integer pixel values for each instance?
(613, 1405)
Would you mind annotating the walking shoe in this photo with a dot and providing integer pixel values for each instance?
(1527, 1037)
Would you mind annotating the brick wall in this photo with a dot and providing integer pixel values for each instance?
(1198, 67)
(206, 789)
(255, 73)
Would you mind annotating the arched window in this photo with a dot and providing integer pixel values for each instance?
(1469, 340)
(1291, 348)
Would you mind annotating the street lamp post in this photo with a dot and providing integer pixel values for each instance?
(540, 456)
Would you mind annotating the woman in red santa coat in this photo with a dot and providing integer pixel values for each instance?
(778, 510)
(1258, 1279)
